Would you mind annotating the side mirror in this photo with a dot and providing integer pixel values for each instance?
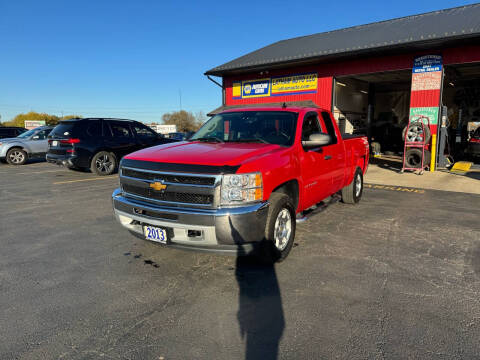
(317, 140)
(36, 137)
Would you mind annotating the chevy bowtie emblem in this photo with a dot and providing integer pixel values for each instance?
(158, 186)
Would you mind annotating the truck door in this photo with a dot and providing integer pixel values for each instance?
(336, 152)
(316, 166)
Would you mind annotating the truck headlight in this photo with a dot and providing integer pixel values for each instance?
(241, 188)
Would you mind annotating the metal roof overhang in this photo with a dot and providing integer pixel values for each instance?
(388, 50)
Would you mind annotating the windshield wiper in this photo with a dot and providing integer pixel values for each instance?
(252, 140)
(207, 139)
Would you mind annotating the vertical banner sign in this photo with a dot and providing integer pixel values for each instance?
(426, 84)
(427, 74)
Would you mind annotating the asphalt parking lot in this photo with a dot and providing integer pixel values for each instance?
(394, 277)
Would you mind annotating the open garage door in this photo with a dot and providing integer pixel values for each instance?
(376, 105)
(461, 96)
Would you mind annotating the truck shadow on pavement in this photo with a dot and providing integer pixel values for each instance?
(260, 314)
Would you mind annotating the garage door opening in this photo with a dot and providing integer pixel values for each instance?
(461, 96)
(376, 105)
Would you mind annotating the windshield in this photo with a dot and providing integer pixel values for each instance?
(27, 134)
(270, 127)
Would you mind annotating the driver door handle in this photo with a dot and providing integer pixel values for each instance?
(328, 157)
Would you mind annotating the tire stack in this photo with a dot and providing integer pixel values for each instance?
(415, 132)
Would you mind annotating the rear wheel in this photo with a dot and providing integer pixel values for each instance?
(352, 193)
(280, 227)
(104, 163)
(16, 156)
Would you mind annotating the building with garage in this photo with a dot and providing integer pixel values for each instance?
(374, 77)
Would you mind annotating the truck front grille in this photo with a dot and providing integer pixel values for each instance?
(179, 197)
(191, 190)
(174, 179)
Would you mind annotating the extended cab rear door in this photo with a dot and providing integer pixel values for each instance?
(316, 164)
(335, 152)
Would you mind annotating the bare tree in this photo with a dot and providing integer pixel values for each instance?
(184, 120)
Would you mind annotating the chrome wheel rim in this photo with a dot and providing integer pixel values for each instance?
(104, 164)
(358, 185)
(16, 157)
(283, 229)
(415, 133)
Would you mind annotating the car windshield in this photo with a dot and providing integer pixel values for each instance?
(27, 134)
(270, 127)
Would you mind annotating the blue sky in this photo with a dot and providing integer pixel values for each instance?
(132, 58)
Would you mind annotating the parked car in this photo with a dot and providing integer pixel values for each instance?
(240, 181)
(30, 144)
(473, 146)
(98, 143)
(180, 136)
(11, 131)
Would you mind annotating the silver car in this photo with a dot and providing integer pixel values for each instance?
(30, 144)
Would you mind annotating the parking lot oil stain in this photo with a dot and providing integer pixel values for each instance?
(150, 262)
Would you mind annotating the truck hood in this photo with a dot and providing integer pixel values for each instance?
(202, 153)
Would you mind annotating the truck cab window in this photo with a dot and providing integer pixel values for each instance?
(310, 126)
(329, 125)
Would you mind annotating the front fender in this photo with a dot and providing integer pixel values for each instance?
(5, 147)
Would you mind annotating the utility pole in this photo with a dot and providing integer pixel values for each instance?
(180, 96)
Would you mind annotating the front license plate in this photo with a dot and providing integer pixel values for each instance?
(155, 234)
(54, 143)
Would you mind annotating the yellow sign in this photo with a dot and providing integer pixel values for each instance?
(237, 89)
(295, 84)
(158, 186)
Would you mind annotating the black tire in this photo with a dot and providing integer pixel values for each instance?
(351, 194)
(413, 158)
(104, 163)
(280, 237)
(415, 128)
(16, 156)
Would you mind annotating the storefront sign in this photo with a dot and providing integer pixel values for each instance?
(255, 88)
(304, 83)
(430, 112)
(427, 63)
(32, 124)
(276, 86)
(427, 81)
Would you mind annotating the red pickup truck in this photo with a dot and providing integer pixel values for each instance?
(241, 181)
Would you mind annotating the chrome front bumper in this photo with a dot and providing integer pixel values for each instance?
(226, 230)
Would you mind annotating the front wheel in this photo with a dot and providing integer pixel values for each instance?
(352, 193)
(104, 163)
(280, 227)
(16, 156)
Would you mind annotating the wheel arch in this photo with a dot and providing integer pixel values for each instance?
(17, 146)
(291, 189)
(93, 153)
